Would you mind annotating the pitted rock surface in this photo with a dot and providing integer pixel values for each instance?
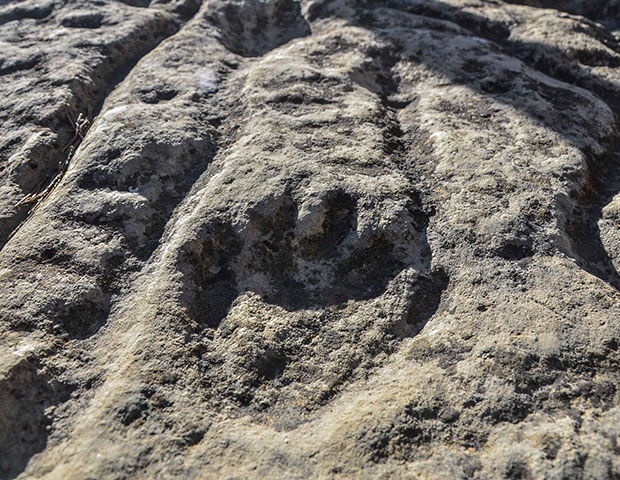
(309, 239)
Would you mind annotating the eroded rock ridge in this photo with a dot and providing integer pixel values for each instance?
(309, 239)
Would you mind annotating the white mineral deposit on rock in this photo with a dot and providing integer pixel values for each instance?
(206, 80)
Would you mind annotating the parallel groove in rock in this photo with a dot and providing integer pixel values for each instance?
(94, 90)
(326, 239)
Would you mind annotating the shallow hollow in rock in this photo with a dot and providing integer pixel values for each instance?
(296, 267)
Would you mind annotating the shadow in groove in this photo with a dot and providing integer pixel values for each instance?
(300, 272)
(25, 395)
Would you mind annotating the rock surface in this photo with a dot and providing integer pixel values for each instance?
(317, 239)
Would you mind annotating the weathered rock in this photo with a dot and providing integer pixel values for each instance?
(317, 239)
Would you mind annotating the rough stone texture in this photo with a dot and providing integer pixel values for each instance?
(316, 239)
